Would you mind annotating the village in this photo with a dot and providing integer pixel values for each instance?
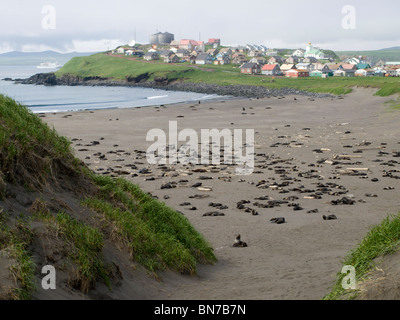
(258, 59)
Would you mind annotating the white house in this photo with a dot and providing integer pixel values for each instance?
(204, 58)
(304, 66)
(298, 53)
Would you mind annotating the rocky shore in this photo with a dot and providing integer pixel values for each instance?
(248, 91)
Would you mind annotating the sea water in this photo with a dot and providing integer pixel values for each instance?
(45, 99)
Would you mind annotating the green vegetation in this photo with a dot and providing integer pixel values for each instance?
(391, 54)
(381, 240)
(29, 150)
(393, 104)
(39, 163)
(157, 236)
(83, 245)
(101, 65)
(14, 242)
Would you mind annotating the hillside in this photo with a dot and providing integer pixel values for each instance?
(104, 67)
(105, 237)
(389, 54)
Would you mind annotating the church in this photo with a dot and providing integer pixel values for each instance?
(313, 52)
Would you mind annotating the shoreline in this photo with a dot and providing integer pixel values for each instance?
(241, 91)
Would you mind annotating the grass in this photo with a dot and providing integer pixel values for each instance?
(157, 236)
(83, 245)
(29, 149)
(101, 65)
(393, 104)
(15, 241)
(381, 240)
(34, 156)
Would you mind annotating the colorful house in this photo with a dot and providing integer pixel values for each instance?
(204, 58)
(287, 67)
(363, 66)
(344, 73)
(271, 70)
(364, 73)
(296, 73)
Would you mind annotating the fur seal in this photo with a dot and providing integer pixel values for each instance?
(278, 220)
(330, 217)
(239, 243)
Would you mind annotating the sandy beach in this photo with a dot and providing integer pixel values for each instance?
(314, 158)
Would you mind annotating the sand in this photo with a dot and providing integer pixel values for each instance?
(295, 260)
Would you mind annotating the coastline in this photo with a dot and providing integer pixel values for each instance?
(296, 260)
(243, 91)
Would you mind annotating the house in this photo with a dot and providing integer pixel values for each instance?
(222, 59)
(214, 42)
(398, 73)
(286, 67)
(120, 50)
(349, 66)
(250, 68)
(298, 53)
(293, 60)
(201, 46)
(271, 70)
(391, 72)
(166, 53)
(344, 73)
(275, 60)
(255, 53)
(226, 51)
(181, 53)
(324, 72)
(363, 66)
(134, 52)
(203, 58)
(238, 58)
(188, 44)
(379, 72)
(304, 66)
(212, 52)
(175, 44)
(364, 73)
(259, 60)
(310, 60)
(172, 59)
(334, 66)
(151, 56)
(296, 73)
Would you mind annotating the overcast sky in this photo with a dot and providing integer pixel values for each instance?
(96, 25)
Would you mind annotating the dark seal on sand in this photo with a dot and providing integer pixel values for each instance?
(239, 243)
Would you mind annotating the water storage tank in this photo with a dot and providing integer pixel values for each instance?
(165, 38)
(154, 38)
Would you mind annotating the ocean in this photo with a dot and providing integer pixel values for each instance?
(42, 99)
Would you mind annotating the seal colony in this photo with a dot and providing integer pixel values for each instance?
(326, 170)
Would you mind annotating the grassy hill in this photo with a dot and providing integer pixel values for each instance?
(121, 68)
(55, 211)
(390, 54)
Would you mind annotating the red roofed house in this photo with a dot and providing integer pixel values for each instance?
(214, 41)
(296, 73)
(271, 70)
(188, 44)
